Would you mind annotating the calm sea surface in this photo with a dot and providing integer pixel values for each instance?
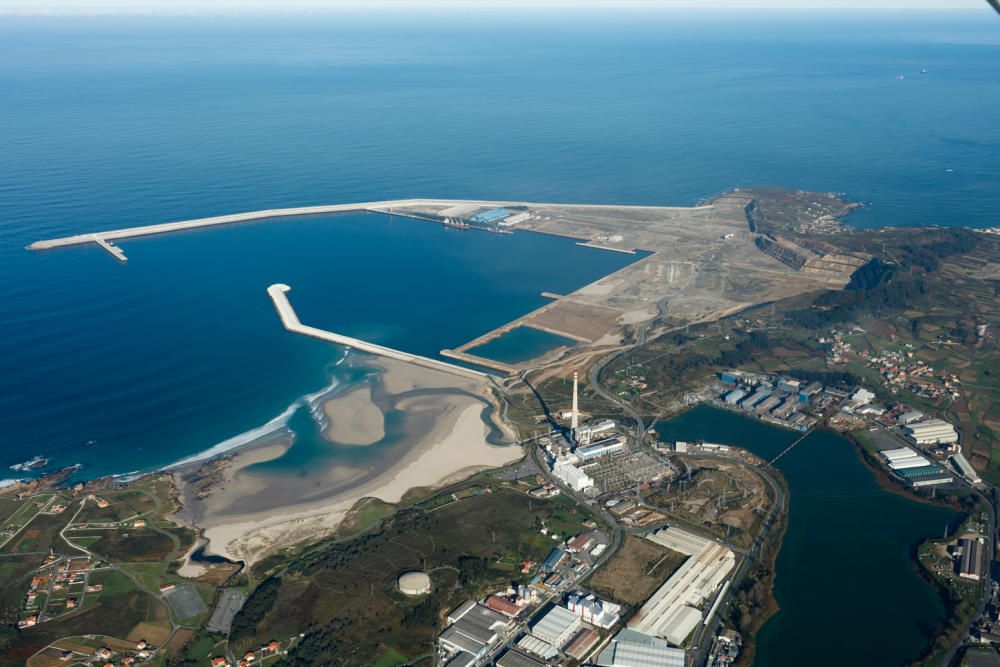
(115, 122)
(110, 122)
(845, 566)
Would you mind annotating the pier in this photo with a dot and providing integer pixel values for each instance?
(478, 361)
(385, 206)
(115, 251)
(278, 293)
(598, 246)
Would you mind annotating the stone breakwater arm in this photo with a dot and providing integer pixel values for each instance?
(290, 320)
(384, 206)
(267, 214)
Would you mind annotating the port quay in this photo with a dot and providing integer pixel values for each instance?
(278, 292)
(105, 239)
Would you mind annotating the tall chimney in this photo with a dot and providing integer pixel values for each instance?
(575, 418)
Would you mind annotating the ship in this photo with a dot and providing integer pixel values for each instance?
(457, 223)
(30, 464)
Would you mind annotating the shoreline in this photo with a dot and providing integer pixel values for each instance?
(442, 430)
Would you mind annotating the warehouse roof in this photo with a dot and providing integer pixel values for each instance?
(461, 659)
(514, 658)
(491, 215)
(537, 646)
(455, 637)
(630, 648)
(554, 623)
(680, 624)
(923, 471)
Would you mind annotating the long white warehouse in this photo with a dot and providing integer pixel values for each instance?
(932, 432)
(671, 612)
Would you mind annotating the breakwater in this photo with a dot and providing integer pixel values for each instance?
(278, 293)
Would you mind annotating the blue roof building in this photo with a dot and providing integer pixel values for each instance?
(553, 559)
(493, 215)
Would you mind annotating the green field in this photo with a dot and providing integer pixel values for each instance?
(468, 547)
(119, 609)
(133, 545)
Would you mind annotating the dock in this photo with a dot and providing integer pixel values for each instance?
(479, 361)
(384, 206)
(104, 238)
(598, 246)
(278, 293)
(115, 251)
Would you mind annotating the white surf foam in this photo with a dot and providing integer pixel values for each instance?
(271, 427)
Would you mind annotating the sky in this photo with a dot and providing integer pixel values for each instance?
(189, 6)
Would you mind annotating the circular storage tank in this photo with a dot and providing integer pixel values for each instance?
(414, 583)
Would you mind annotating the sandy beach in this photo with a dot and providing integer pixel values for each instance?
(248, 514)
(354, 418)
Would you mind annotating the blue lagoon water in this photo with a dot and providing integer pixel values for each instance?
(520, 344)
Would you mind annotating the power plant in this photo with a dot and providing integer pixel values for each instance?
(574, 420)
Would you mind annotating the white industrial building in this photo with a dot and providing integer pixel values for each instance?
(680, 624)
(862, 396)
(909, 462)
(679, 540)
(636, 649)
(536, 646)
(896, 454)
(735, 396)
(756, 397)
(909, 417)
(587, 432)
(964, 468)
(472, 628)
(599, 613)
(557, 626)
(574, 477)
(931, 432)
(671, 612)
(904, 458)
(601, 448)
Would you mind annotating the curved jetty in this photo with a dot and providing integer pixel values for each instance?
(291, 322)
(384, 206)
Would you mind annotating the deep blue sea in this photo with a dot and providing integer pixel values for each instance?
(108, 122)
(118, 121)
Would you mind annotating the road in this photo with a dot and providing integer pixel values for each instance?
(701, 641)
(508, 637)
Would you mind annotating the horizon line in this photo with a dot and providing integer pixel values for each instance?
(455, 9)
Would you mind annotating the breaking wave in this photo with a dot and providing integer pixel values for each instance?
(271, 427)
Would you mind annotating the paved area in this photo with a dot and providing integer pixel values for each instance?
(229, 604)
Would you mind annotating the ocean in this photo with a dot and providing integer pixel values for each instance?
(109, 122)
